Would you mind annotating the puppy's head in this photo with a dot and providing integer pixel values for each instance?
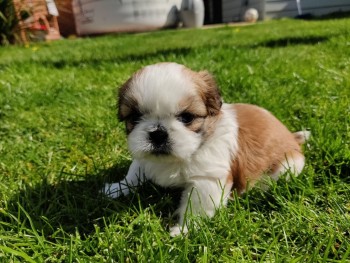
(169, 111)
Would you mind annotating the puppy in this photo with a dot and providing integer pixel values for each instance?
(181, 134)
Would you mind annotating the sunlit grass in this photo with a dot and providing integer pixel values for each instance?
(60, 141)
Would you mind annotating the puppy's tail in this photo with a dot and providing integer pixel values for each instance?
(302, 136)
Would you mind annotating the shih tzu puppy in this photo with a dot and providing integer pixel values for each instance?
(181, 134)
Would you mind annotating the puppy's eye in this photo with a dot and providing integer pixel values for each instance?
(134, 117)
(186, 117)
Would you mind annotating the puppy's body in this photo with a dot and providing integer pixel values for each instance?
(180, 134)
(265, 145)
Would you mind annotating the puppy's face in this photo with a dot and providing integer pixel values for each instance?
(169, 111)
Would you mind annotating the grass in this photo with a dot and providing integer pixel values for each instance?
(60, 141)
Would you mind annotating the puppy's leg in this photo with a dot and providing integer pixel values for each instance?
(134, 177)
(294, 163)
(202, 197)
(302, 136)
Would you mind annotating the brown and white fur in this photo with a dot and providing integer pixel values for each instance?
(181, 134)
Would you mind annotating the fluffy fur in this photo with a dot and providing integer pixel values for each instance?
(181, 134)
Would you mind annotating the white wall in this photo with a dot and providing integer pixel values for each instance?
(233, 10)
(105, 16)
(288, 8)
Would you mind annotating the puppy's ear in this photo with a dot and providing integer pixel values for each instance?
(210, 93)
(125, 103)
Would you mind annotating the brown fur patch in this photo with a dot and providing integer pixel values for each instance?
(206, 105)
(207, 89)
(263, 143)
(194, 105)
(196, 125)
(126, 102)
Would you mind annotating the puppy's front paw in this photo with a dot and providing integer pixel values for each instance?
(114, 190)
(177, 230)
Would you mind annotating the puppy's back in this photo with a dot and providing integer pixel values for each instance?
(264, 143)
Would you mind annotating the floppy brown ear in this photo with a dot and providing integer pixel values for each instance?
(210, 93)
(125, 103)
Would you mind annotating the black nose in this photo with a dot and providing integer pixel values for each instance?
(158, 137)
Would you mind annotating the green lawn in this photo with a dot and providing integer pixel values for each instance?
(60, 141)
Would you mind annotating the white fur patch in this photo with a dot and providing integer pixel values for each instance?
(159, 88)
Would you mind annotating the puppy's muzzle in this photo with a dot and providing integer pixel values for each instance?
(160, 140)
(158, 136)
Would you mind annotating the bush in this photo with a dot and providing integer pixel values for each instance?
(8, 22)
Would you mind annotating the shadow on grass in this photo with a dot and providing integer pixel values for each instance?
(342, 170)
(293, 41)
(336, 170)
(94, 60)
(75, 203)
(331, 16)
(162, 55)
